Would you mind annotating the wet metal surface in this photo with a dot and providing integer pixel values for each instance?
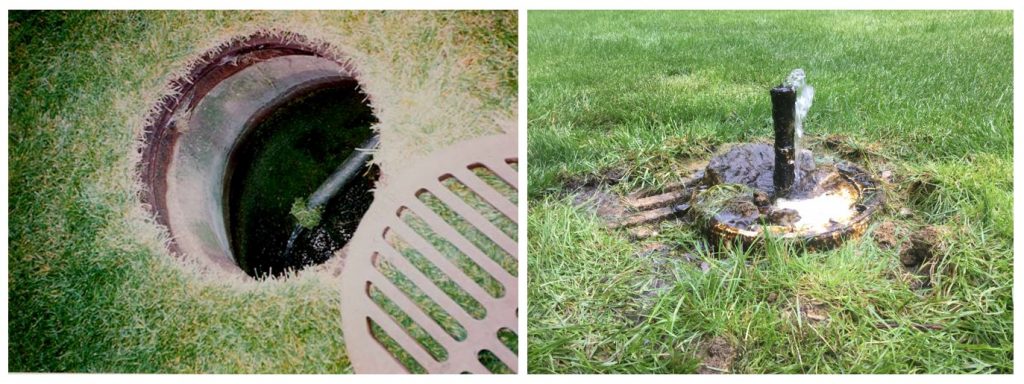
(784, 171)
(752, 165)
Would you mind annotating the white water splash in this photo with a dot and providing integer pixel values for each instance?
(819, 214)
(804, 96)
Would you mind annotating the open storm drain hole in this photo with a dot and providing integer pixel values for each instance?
(259, 162)
(277, 166)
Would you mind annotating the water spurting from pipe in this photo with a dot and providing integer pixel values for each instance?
(330, 187)
(804, 96)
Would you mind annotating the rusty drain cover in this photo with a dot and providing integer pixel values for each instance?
(429, 283)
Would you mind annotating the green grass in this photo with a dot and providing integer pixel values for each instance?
(91, 287)
(926, 95)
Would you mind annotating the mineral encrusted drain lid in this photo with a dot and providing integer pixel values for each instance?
(429, 283)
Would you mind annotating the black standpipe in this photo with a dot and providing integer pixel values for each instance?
(784, 116)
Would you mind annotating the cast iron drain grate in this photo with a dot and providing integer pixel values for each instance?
(409, 302)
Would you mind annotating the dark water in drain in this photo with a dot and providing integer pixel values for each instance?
(285, 158)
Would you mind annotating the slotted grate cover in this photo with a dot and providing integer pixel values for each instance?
(429, 283)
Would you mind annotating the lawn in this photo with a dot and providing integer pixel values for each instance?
(92, 287)
(625, 101)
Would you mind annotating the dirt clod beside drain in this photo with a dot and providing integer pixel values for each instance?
(642, 232)
(784, 217)
(717, 356)
(887, 235)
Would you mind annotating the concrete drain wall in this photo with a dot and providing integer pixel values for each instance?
(187, 162)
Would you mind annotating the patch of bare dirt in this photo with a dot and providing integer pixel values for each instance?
(604, 204)
(808, 311)
(815, 312)
(926, 246)
(888, 235)
(642, 232)
(717, 355)
(922, 255)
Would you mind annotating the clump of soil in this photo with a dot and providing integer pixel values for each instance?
(784, 217)
(717, 356)
(741, 212)
(814, 312)
(887, 235)
(809, 311)
(642, 232)
(920, 256)
(762, 201)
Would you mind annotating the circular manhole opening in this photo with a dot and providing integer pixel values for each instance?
(232, 158)
(281, 161)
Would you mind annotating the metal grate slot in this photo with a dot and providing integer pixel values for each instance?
(437, 246)
(433, 266)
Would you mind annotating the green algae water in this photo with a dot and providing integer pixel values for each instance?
(285, 157)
